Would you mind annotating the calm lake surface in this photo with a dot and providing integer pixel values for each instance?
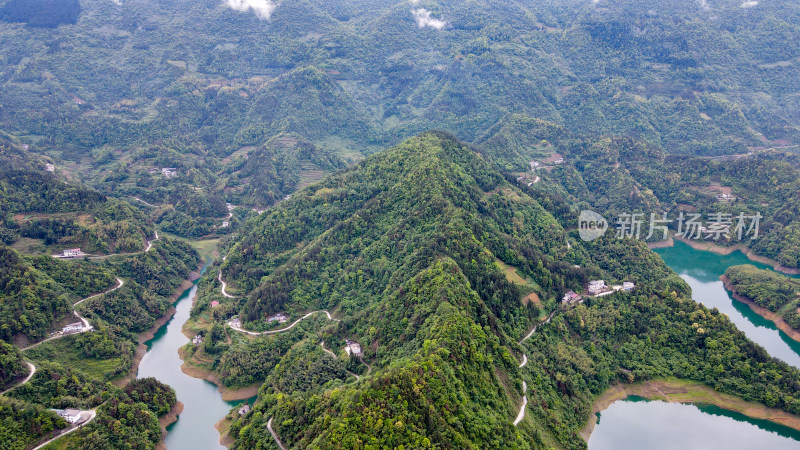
(203, 404)
(637, 423)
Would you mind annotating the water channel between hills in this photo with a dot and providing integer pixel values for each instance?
(203, 404)
(638, 423)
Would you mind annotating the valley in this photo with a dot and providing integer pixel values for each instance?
(399, 224)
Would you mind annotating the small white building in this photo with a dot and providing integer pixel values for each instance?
(169, 172)
(72, 416)
(571, 297)
(628, 286)
(280, 318)
(76, 327)
(73, 253)
(535, 165)
(49, 167)
(559, 161)
(244, 409)
(597, 286)
(225, 224)
(197, 340)
(352, 348)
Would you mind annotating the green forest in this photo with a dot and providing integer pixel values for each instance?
(403, 178)
(402, 249)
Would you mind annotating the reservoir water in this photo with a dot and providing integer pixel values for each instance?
(637, 423)
(203, 404)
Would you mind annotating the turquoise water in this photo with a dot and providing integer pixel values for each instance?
(636, 423)
(203, 404)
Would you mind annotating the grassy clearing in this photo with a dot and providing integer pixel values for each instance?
(205, 247)
(511, 273)
(64, 352)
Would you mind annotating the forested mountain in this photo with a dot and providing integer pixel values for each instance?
(264, 124)
(617, 175)
(44, 211)
(136, 87)
(438, 266)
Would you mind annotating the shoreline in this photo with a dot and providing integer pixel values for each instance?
(141, 348)
(720, 250)
(228, 394)
(223, 428)
(166, 420)
(685, 392)
(761, 311)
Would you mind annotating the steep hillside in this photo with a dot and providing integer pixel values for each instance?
(439, 269)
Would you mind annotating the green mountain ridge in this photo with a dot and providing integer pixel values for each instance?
(410, 251)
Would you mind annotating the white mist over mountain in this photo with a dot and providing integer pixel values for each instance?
(262, 8)
(423, 17)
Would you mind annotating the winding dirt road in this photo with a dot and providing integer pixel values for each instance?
(93, 414)
(322, 344)
(274, 434)
(224, 286)
(32, 369)
(282, 330)
(521, 414)
(86, 327)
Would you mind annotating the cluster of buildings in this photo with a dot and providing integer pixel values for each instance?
(571, 297)
(352, 348)
(49, 167)
(280, 318)
(168, 172)
(597, 288)
(197, 340)
(535, 165)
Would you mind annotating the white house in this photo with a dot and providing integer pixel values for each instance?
(50, 167)
(352, 348)
(597, 286)
(169, 172)
(72, 416)
(72, 253)
(628, 286)
(535, 165)
(244, 409)
(72, 328)
(280, 318)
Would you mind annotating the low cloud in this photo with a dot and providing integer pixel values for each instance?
(704, 5)
(423, 18)
(749, 4)
(262, 8)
